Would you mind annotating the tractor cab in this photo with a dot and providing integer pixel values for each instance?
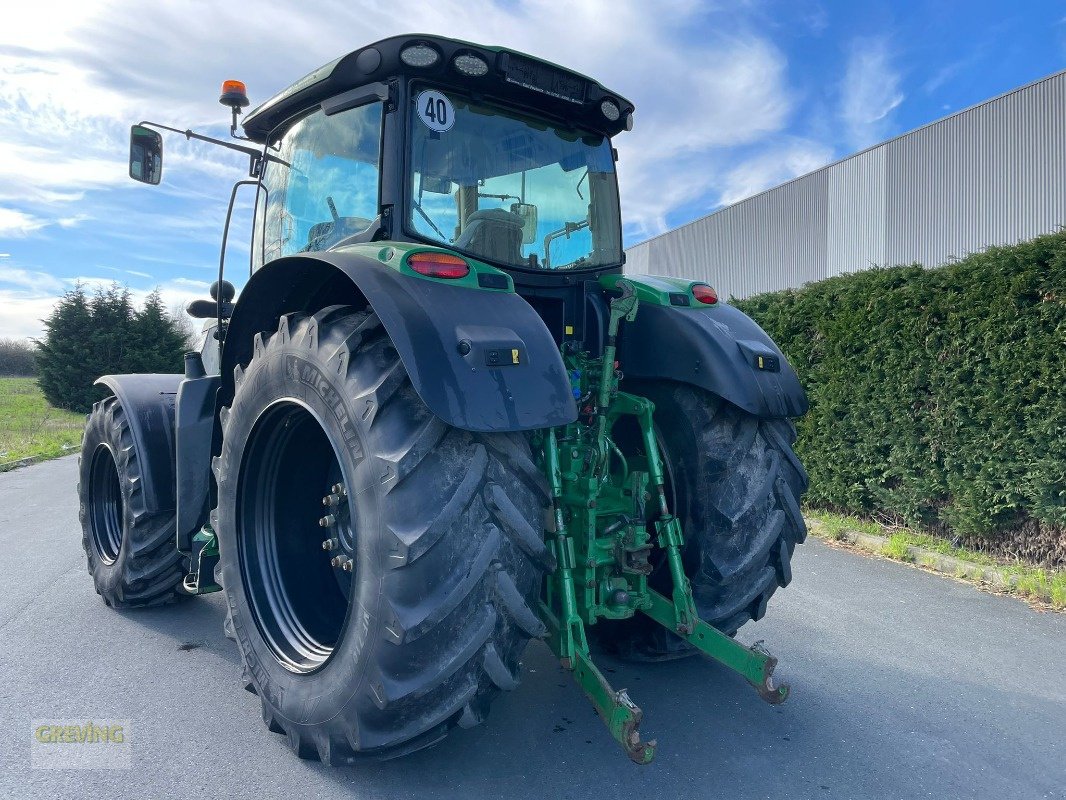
(492, 154)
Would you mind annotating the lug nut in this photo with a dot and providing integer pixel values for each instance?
(330, 544)
(327, 520)
(338, 488)
(331, 500)
(343, 562)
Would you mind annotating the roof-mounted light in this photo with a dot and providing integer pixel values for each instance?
(610, 109)
(419, 55)
(470, 65)
(234, 94)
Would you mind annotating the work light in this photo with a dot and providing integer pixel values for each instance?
(419, 55)
(470, 65)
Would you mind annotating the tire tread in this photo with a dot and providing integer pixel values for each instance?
(452, 642)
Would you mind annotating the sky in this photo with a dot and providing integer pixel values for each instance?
(732, 97)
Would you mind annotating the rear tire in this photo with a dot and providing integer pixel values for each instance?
(735, 483)
(131, 554)
(442, 526)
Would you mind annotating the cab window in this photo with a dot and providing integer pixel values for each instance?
(326, 191)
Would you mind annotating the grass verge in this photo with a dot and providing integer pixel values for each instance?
(1037, 584)
(32, 429)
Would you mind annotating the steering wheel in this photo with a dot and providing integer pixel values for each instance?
(324, 234)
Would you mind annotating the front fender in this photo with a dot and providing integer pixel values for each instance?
(719, 349)
(481, 360)
(148, 402)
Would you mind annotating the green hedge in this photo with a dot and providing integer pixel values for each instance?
(938, 397)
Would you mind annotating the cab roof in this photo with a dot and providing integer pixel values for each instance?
(512, 77)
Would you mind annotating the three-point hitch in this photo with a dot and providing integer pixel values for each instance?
(608, 516)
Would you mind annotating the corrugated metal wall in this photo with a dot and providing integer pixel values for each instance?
(993, 174)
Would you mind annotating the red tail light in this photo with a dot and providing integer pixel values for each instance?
(438, 265)
(704, 293)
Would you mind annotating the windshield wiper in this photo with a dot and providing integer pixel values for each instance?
(566, 230)
(501, 197)
(432, 224)
(578, 187)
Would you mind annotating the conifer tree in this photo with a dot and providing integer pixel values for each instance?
(64, 373)
(157, 337)
(86, 337)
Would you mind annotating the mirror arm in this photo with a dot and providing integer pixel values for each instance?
(199, 136)
(255, 155)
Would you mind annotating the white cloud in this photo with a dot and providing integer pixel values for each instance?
(735, 94)
(40, 282)
(188, 284)
(23, 311)
(76, 81)
(949, 72)
(16, 224)
(944, 75)
(74, 75)
(37, 294)
(91, 283)
(46, 26)
(773, 167)
(70, 222)
(870, 92)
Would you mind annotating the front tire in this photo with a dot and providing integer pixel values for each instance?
(735, 483)
(439, 528)
(131, 554)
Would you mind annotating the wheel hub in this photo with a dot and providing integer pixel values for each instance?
(341, 542)
(106, 508)
(298, 586)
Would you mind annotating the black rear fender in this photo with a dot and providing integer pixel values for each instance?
(719, 349)
(148, 401)
(480, 360)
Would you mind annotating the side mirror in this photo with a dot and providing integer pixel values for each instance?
(436, 185)
(528, 213)
(146, 155)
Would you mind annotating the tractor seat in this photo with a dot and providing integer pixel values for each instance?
(493, 233)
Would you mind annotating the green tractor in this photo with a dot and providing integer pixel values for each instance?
(439, 421)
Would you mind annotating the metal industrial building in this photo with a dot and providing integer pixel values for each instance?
(992, 174)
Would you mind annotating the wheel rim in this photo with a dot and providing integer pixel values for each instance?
(297, 589)
(106, 508)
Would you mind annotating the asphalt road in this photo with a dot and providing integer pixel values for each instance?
(905, 685)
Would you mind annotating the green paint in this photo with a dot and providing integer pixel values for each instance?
(656, 289)
(608, 510)
(395, 254)
(205, 556)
